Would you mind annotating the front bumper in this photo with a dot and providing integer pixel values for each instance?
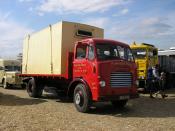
(118, 97)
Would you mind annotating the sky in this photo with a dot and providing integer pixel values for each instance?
(142, 21)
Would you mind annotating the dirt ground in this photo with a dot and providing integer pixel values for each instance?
(18, 112)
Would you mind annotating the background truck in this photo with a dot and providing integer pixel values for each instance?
(87, 70)
(167, 63)
(9, 70)
(145, 55)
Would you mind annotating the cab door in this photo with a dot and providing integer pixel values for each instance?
(92, 76)
(80, 61)
(84, 66)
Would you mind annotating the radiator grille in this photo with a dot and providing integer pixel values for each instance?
(121, 79)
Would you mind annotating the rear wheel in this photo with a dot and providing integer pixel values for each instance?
(34, 88)
(81, 98)
(119, 103)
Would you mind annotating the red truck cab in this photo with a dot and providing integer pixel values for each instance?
(103, 70)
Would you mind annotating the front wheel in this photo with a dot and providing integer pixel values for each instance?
(81, 98)
(119, 103)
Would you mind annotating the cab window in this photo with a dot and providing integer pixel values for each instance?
(107, 51)
(155, 52)
(121, 52)
(125, 53)
(12, 68)
(150, 53)
(91, 55)
(81, 52)
(129, 55)
(139, 53)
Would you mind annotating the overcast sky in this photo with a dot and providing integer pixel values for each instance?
(148, 21)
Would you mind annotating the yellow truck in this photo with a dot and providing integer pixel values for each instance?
(145, 55)
(9, 70)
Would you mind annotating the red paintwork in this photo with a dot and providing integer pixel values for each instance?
(103, 70)
(42, 75)
(93, 71)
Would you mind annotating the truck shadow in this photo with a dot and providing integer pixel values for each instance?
(52, 93)
(61, 98)
(13, 87)
(12, 100)
(142, 107)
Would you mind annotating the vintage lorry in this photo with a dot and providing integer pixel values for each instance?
(65, 55)
(145, 55)
(9, 70)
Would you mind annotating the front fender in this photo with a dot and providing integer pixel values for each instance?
(73, 84)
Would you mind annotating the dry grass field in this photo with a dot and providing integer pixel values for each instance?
(19, 112)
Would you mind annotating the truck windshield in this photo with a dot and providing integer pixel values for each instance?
(139, 53)
(12, 68)
(108, 51)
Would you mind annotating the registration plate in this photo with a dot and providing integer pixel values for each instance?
(124, 97)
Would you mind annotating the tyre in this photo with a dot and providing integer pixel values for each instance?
(34, 88)
(119, 103)
(81, 98)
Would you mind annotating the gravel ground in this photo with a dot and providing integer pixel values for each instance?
(18, 112)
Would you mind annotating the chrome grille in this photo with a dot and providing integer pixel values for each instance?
(121, 79)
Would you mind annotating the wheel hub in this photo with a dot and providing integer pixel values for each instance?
(77, 98)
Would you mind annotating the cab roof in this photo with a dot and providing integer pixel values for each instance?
(102, 41)
(142, 45)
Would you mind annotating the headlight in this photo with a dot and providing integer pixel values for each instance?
(102, 83)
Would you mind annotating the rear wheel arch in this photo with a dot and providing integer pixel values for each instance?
(26, 80)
